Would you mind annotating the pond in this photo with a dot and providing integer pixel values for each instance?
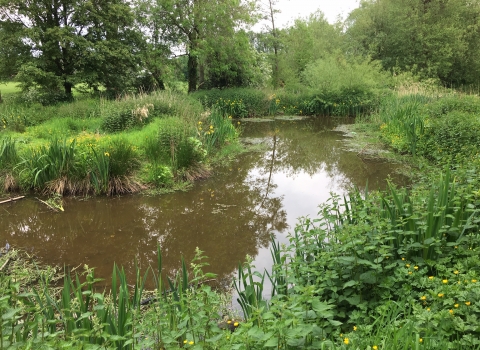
(295, 165)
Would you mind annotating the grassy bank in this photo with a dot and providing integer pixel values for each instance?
(109, 147)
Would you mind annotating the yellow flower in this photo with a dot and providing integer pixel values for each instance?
(346, 341)
(415, 267)
(467, 303)
(440, 295)
(445, 281)
(408, 265)
(428, 309)
(474, 281)
(403, 259)
(200, 123)
(430, 277)
(185, 341)
(229, 117)
(211, 126)
(190, 342)
(107, 154)
(375, 347)
(229, 321)
(354, 328)
(238, 123)
(236, 324)
(409, 272)
(423, 297)
(420, 340)
(451, 311)
(456, 305)
(455, 272)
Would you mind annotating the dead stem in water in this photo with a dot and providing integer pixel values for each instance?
(124, 185)
(9, 184)
(195, 172)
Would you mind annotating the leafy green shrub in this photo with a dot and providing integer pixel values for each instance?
(235, 102)
(43, 96)
(443, 129)
(451, 137)
(160, 175)
(241, 103)
(334, 74)
(468, 104)
(124, 114)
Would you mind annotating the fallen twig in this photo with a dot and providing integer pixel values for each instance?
(5, 263)
(48, 205)
(12, 199)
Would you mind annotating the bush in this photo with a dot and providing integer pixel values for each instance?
(333, 74)
(451, 137)
(242, 103)
(125, 114)
(235, 102)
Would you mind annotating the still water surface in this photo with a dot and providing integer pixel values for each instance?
(297, 163)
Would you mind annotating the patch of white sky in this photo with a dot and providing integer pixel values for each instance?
(289, 10)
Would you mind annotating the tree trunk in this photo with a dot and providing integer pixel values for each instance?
(275, 73)
(192, 73)
(201, 76)
(68, 88)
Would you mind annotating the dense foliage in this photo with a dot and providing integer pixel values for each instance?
(109, 147)
(434, 39)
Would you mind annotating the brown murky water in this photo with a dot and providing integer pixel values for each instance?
(228, 216)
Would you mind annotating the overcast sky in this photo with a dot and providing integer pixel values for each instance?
(291, 9)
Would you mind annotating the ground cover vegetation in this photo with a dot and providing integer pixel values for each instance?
(109, 147)
(397, 269)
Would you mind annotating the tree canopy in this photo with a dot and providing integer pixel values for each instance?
(125, 45)
(431, 38)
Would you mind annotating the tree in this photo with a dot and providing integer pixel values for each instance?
(195, 25)
(113, 58)
(431, 38)
(306, 41)
(70, 41)
(13, 52)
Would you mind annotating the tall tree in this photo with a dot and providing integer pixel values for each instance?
(431, 38)
(193, 25)
(70, 41)
(303, 43)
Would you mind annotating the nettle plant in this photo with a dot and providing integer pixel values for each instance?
(387, 269)
(418, 250)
